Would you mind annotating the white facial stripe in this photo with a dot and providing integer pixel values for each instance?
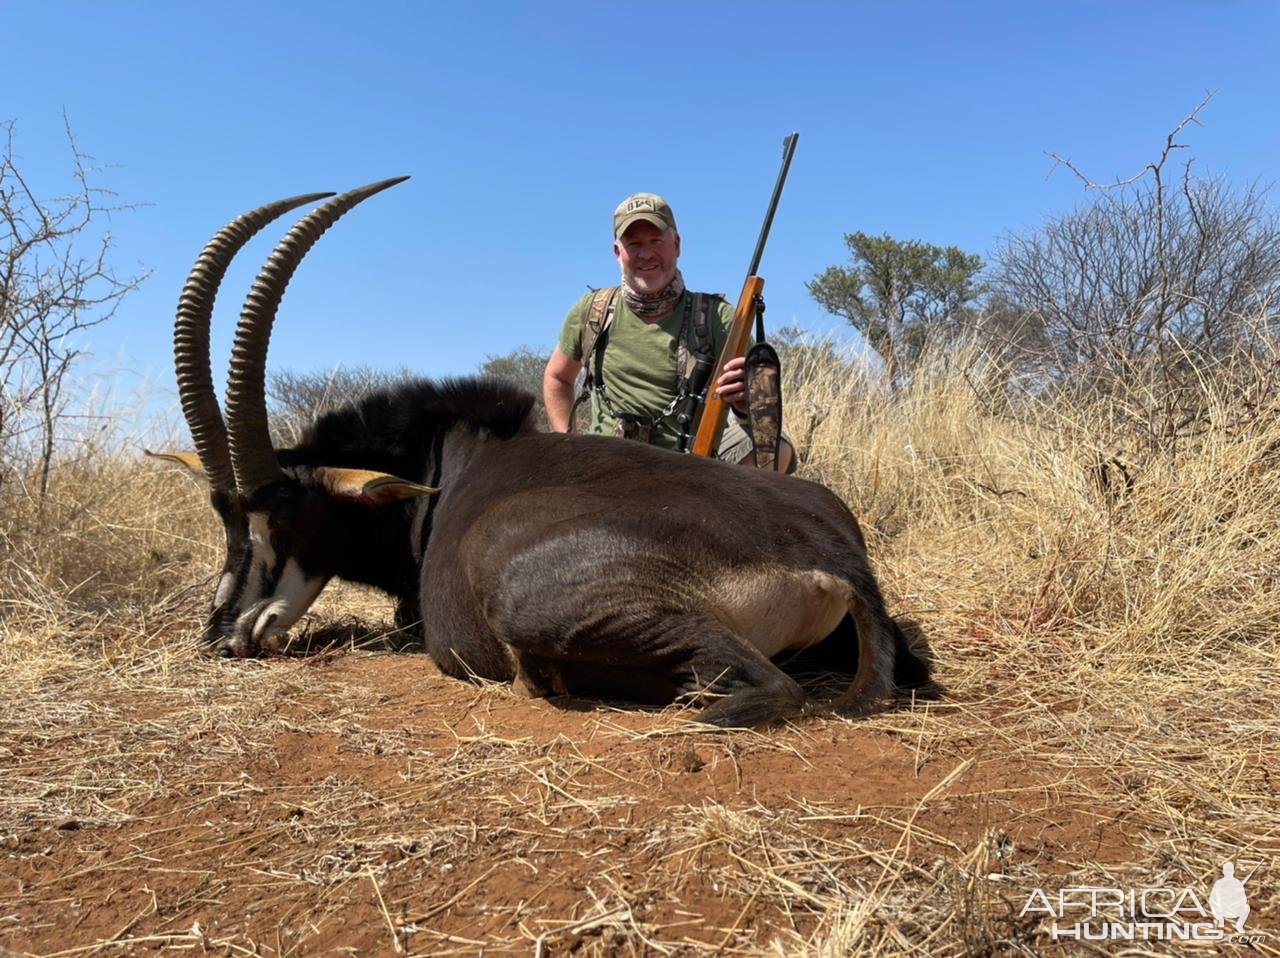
(260, 538)
(225, 583)
(293, 595)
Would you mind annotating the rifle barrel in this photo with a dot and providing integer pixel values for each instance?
(788, 151)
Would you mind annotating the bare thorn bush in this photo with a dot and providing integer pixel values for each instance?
(56, 282)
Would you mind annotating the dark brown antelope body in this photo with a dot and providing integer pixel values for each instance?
(566, 563)
(643, 569)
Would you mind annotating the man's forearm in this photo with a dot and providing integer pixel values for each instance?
(558, 398)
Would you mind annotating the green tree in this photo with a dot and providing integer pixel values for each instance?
(523, 367)
(899, 293)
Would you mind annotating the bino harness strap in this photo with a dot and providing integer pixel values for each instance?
(694, 341)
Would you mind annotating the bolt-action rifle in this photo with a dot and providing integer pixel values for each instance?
(750, 308)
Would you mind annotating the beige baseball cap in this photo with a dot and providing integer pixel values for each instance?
(649, 207)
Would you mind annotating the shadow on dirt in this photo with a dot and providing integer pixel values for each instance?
(825, 670)
(350, 635)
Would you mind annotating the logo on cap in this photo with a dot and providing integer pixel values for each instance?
(649, 207)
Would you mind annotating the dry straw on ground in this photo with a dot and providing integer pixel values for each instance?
(1109, 655)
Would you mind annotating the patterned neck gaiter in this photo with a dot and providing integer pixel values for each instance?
(653, 305)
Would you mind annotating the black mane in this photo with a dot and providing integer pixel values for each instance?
(391, 429)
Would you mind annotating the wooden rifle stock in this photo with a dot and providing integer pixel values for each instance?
(736, 343)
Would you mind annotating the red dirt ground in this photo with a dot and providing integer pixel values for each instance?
(445, 817)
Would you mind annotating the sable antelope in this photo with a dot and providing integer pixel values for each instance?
(568, 563)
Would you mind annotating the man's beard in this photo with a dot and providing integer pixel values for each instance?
(650, 305)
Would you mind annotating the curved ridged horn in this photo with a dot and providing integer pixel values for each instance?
(252, 456)
(191, 335)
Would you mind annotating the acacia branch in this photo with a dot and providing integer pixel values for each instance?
(1170, 145)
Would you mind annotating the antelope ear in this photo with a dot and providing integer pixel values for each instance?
(375, 488)
(188, 460)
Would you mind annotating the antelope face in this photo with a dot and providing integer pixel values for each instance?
(270, 579)
(285, 542)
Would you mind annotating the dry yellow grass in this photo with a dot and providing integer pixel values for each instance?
(1111, 665)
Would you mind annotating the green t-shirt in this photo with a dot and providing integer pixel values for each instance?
(641, 372)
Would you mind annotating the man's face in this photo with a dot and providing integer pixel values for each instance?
(647, 256)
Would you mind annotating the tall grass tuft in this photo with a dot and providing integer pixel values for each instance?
(1022, 516)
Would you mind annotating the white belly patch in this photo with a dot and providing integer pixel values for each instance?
(780, 610)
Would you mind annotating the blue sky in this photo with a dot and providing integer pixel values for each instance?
(523, 124)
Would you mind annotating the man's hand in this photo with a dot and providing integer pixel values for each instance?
(732, 385)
